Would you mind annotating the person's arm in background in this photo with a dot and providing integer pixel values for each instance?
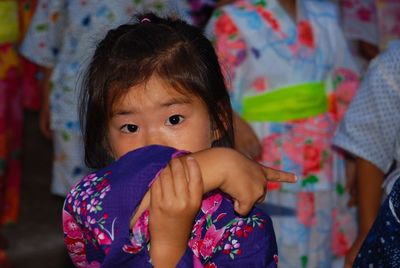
(41, 44)
(368, 190)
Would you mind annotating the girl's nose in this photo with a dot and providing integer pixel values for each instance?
(154, 137)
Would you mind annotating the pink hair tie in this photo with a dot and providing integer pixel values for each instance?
(145, 20)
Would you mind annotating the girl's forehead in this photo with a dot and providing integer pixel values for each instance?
(155, 90)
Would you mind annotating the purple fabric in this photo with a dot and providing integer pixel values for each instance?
(98, 210)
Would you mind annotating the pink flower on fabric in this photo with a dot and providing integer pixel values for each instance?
(312, 159)
(260, 84)
(305, 34)
(210, 241)
(211, 204)
(79, 260)
(346, 85)
(71, 229)
(270, 19)
(76, 246)
(306, 208)
(101, 237)
(340, 239)
(225, 25)
(210, 265)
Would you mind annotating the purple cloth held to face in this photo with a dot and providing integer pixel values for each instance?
(98, 210)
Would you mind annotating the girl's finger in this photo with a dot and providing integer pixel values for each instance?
(196, 187)
(155, 193)
(179, 178)
(279, 175)
(167, 184)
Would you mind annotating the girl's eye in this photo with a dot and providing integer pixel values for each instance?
(129, 128)
(174, 120)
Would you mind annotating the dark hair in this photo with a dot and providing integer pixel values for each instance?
(129, 55)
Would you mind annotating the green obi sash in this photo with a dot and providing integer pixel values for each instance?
(9, 27)
(287, 103)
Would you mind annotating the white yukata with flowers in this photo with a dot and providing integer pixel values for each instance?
(292, 80)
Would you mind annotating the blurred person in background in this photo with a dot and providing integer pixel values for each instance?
(369, 133)
(370, 25)
(61, 39)
(17, 79)
(291, 77)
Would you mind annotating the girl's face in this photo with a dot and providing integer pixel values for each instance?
(155, 113)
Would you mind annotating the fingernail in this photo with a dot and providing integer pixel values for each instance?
(190, 158)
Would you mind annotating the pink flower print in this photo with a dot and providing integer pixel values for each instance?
(346, 85)
(306, 208)
(220, 217)
(131, 249)
(75, 246)
(340, 239)
(71, 228)
(90, 220)
(211, 203)
(92, 205)
(231, 246)
(210, 265)
(312, 159)
(271, 154)
(260, 84)
(276, 258)
(89, 178)
(101, 237)
(225, 25)
(195, 242)
(305, 34)
(103, 184)
(79, 260)
(340, 244)
(210, 241)
(87, 193)
(269, 18)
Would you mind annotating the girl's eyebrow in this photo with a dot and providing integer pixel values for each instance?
(176, 101)
(173, 101)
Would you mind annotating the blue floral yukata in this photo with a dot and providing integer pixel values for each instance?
(98, 210)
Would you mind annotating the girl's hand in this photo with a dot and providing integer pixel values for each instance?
(175, 199)
(243, 179)
(246, 181)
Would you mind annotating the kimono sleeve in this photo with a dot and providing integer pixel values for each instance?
(43, 40)
(231, 49)
(371, 126)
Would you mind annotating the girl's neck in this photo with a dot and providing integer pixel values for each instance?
(290, 7)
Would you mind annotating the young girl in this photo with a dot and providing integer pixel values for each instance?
(151, 87)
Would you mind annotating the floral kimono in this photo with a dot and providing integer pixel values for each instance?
(98, 210)
(292, 81)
